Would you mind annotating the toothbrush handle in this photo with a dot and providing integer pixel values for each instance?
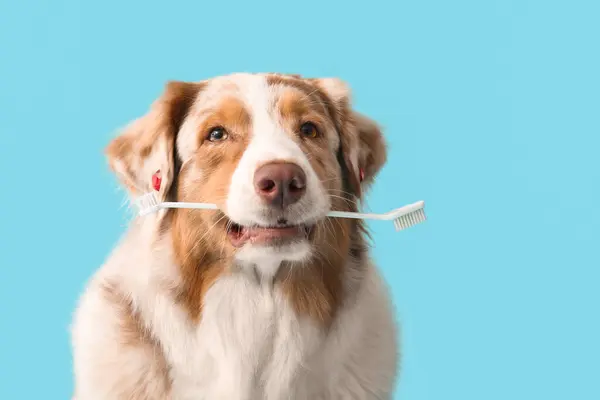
(199, 206)
(343, 214)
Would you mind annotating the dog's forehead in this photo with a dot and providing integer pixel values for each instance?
(259, 92)
(236, 84)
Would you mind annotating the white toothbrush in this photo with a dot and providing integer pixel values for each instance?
(403, 217)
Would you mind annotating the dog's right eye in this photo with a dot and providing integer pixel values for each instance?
(309, 130)
(217, 134)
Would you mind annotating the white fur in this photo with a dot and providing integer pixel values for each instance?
(249, 344)
(248, 333)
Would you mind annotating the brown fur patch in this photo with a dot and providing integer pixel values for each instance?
(296, 107)
(372, 147)
(131, 149)
(293, 105)
(201, 246)
(132, 329)
(199, 260)
(316, 288)
(153, 380)
(310, 91)
(230, 114)
(338, 110)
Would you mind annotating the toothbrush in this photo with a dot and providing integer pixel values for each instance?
(403, 217)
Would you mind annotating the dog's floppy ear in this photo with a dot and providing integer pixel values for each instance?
(146, 145)
(363, 145)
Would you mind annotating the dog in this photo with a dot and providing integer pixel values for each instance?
(265, 298)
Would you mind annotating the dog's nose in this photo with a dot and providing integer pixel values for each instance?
(280, 183)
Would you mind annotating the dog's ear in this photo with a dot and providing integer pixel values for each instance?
(363, 145)
(146, 146)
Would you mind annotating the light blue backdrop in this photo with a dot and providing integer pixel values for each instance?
(492, 113)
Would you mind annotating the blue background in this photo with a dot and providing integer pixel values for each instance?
(492, 114)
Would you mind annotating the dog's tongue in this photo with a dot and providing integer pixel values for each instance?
(262, 235)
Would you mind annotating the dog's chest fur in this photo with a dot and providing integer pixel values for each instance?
(236, 346)
(249, 342)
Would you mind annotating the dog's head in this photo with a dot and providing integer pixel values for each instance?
(275, 152)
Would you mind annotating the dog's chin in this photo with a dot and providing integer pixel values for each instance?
(279, 242)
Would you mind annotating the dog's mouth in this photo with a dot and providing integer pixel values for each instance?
(275, 235)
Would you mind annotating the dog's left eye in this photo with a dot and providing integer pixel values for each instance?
(309, 130)
(217, 134)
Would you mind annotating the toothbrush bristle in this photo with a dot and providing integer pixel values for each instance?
(410, 219)
(146, 202)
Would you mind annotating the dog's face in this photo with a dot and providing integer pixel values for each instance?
(275, 152)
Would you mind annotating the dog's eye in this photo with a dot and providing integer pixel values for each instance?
(309, 130)
(217, 134)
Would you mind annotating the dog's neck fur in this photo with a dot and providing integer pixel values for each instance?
(316, 288)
